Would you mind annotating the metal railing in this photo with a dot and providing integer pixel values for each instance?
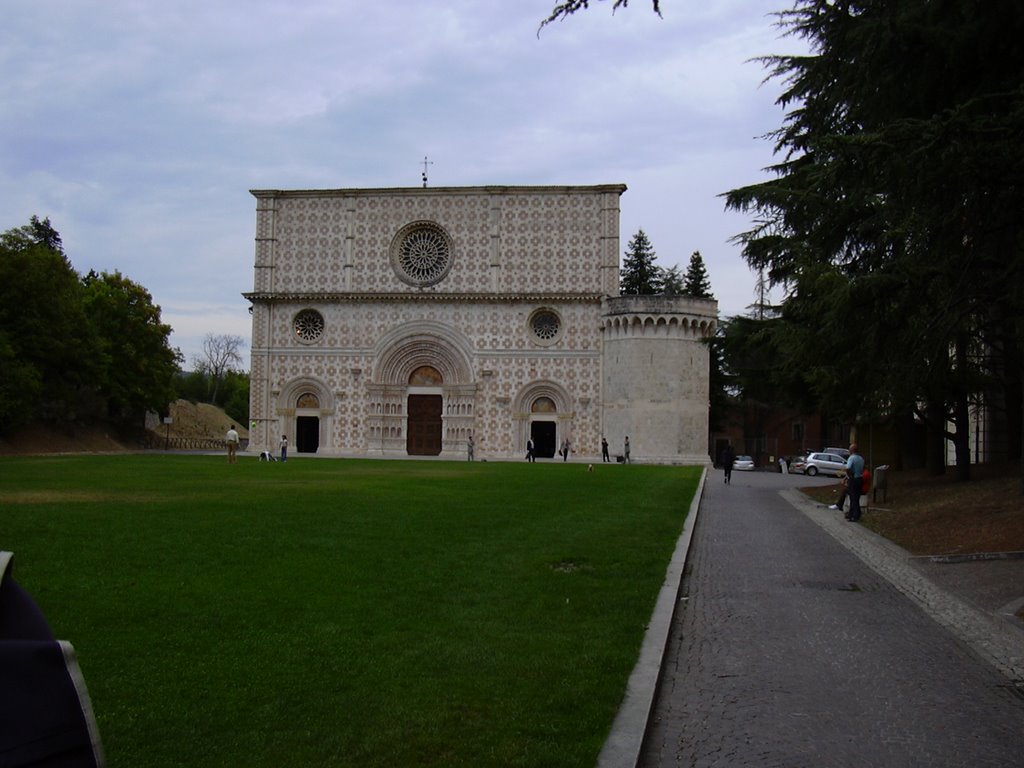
(155, 442)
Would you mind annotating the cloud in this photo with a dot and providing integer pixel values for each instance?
(139, 127)
(192, 321)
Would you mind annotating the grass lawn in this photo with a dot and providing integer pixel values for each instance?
(345, 613)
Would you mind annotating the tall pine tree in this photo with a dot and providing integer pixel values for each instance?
(897, 203)
(639, 275)
(697, 283)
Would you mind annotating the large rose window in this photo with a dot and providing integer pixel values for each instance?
(421, 254)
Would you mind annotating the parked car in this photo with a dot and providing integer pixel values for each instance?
(798, 464)
(743, 463)
(827, 463)
(844, 452)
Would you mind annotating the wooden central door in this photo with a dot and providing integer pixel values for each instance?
(423, 431)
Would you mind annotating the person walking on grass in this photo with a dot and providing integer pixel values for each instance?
(231, 438)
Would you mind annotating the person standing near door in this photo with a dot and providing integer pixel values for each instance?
(284, 447)
(529, 449)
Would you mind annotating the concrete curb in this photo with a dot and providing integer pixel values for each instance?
(973, 558)
(988, 636)
(625, 741)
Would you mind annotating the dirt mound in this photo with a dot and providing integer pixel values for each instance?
(198, 420)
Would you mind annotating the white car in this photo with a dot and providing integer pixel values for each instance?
(826, 463)
(743, 463)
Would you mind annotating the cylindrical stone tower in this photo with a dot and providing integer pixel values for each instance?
(656, 376)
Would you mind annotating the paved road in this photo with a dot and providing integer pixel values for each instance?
(789, 650)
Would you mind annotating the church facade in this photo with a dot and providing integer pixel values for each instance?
(401, 322)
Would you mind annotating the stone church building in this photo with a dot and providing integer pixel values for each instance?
(400, 322)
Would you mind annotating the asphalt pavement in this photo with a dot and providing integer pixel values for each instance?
(786, 636)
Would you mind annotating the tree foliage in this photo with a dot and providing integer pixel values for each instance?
(564, 10)
(672, 283)
(893, 218)
(235, 396)
(136, 363)
(74, 349)
(639, 275)
(697, 283)
(221, 354)
(45, 338)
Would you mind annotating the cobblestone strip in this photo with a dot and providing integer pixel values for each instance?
(622, 747)
(988, 636)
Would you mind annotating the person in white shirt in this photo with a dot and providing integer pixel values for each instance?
(232, 440)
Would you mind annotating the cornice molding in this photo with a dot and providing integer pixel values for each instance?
(617, 189)
(279, 297)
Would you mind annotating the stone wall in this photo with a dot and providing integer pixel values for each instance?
(503, 239)
(513, 252)
(656, 376)
(503, 294)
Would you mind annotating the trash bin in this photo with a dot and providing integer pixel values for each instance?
(880, 482)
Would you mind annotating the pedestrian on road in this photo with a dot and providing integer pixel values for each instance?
(728, 458)
(854, 482)
(231, 438)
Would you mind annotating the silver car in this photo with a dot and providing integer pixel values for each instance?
(743, 464)
(827, 463)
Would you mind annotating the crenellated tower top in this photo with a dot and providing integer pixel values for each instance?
(665, 316)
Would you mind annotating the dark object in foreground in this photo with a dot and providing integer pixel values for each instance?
(880, 483)
(46, 718)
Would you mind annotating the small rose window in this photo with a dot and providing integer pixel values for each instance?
(309, 325)
(545, 326)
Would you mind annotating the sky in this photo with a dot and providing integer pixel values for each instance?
(138, 127)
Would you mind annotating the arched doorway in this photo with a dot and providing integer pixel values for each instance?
(422, 395)
(543, 415)
(543, 427)
(424, 412)
(307, 423)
